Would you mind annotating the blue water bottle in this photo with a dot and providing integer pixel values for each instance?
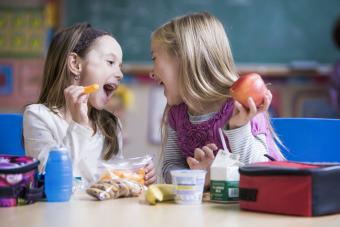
(58, 176)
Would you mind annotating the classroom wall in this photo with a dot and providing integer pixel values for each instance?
(137, 124)
(132, 21)
(262, 31)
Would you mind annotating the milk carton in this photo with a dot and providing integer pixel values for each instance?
(224, 177)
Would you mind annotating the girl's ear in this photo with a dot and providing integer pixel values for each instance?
(74, 64)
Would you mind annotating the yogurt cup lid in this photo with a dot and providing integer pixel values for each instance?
(188, 172)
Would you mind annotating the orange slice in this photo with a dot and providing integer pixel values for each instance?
(91, 88)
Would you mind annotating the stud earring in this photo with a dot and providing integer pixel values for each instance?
(152, 75)
(76, 77)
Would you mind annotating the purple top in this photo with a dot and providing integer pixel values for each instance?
(191, 136)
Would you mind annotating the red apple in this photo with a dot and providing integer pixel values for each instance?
(250, 85)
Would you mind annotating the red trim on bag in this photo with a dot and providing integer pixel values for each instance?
(287, 164)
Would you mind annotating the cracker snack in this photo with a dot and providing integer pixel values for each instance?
(115, 188)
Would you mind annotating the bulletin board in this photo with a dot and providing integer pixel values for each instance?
(23, 32)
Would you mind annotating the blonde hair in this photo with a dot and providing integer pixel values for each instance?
(207, 67)
(57, 76)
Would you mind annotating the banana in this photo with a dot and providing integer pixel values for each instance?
(159, 193)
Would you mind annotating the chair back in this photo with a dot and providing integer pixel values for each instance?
(309, 139)
(11, 134)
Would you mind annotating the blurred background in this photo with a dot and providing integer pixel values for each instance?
(289, 42)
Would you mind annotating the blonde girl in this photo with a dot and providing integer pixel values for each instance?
(193, 60)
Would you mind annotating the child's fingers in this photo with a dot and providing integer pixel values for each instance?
(269, 95)
(192, 162)
(80, 98)
(239, 108)
(267, 100)
(150, 174)
(209, 154)
(252, 107)
(149, 167)
(68, 91)
(83, 98)
(212, 146)
(150, 181)
(76, 103)
(71, 89)
(73, 93)
(199, 154)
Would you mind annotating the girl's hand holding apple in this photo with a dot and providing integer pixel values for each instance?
(250, 85)
(251, 97)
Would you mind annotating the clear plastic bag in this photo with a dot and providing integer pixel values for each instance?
(120, 178)
(130, 169)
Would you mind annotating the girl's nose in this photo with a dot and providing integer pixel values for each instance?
(120, 75)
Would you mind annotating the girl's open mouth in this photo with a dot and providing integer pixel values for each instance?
(109, 88)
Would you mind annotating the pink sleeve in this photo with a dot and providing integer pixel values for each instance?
(259, 124)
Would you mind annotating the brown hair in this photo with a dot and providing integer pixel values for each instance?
(57, 76)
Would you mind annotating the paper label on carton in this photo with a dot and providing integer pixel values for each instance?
(224, 190)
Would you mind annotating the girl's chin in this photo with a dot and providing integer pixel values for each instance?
(98, 106)
(99, 103)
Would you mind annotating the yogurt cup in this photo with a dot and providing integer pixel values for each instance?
(189, 185)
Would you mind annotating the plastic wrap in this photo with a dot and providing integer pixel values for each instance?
(120, 178)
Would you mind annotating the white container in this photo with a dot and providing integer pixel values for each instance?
(224, 178)
(189, 186)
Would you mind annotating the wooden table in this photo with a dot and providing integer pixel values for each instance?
(82, 211)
